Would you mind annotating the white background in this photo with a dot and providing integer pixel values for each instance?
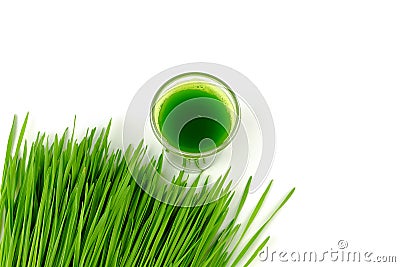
(329, 70)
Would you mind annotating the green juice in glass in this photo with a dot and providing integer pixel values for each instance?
(195, 116)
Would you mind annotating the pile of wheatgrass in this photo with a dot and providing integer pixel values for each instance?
(77, 203)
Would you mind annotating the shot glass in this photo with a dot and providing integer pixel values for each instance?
(194, 116)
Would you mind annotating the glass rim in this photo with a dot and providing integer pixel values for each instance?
(195, 155)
